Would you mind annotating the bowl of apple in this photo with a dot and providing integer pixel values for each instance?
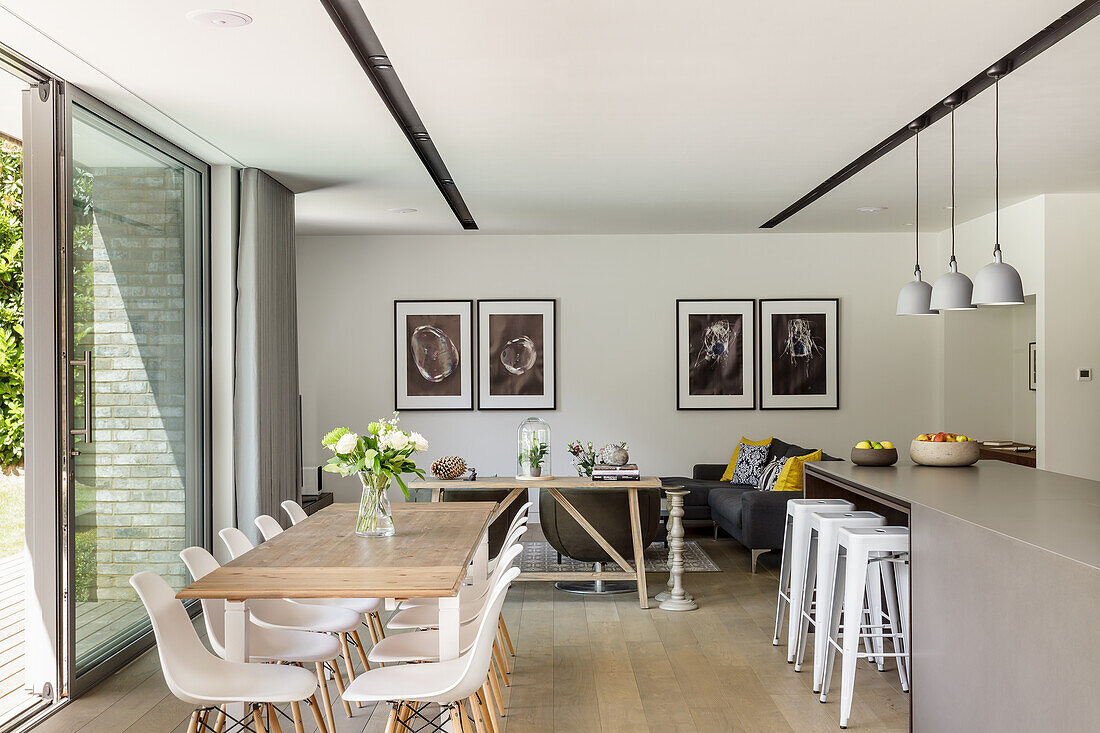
(874, 453)
(943, 449)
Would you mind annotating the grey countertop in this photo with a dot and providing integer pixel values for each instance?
(1052, 511)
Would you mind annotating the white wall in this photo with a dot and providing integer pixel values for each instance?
(1070, 410)
(1023, 399)
(977, 370)
(616, 317)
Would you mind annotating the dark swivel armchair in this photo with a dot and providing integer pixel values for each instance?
(608, 511)
(500, 524)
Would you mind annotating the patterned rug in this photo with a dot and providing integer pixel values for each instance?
(540, 557)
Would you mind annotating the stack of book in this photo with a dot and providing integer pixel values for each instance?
(626, 472)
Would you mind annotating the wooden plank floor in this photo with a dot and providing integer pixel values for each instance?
(600, 665)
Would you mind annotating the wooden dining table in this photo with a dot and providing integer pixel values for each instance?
(435, 548)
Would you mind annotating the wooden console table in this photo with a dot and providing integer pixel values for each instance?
(518, 488)
(1009, 454)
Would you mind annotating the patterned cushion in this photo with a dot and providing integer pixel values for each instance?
(770, 474)
(727, 475)
(790, 478)
(750, 462)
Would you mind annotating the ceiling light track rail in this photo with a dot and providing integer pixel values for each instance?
(357, 31)
(1026, 51)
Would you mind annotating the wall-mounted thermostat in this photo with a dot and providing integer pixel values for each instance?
(1084, 374)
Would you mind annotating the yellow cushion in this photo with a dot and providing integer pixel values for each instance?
(728, 475)
(790, 478)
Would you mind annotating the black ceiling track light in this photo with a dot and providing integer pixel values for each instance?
(356, 29)
(1026, 51)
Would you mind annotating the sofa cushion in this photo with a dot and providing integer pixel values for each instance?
(750, 462)
(728, 475)
(796, 451)
(726, 502)
(770, 475)
(777, 449)
(790, 478)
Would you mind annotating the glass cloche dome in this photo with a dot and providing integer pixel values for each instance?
(533, 449)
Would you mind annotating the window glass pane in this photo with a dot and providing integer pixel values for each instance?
(138, 480)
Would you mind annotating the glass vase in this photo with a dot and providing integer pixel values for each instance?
(533, 448)
(375, 518)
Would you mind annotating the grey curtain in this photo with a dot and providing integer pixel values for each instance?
(267, 424)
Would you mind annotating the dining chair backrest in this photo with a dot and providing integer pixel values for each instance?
(269, 526)
(476, 666)
(521, 516)
(200, 563)
(294, 510)
(236, 541)
(186, 663)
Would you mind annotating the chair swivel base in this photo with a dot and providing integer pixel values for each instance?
(597, 587)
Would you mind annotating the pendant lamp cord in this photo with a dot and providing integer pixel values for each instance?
(997, 163)
(916, 202)
(952, 183)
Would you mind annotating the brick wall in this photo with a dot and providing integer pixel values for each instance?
(131, 478)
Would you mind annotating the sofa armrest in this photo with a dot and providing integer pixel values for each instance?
(763, 516)
(708, 471)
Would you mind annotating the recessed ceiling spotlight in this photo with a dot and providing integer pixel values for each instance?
(871, 209)
(220, 18)
(908, 224)
(949, 207)
(402, 211)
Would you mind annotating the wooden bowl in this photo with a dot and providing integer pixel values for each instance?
(927, 453)
(874, 456)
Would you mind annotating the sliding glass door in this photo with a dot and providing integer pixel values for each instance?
(134, 378)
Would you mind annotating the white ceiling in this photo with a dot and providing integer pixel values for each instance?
(624, 117)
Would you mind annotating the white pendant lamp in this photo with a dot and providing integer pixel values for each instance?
(915, 296)
(997, 283)
(952, 290)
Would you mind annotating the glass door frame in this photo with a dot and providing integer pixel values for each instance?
(195, 363)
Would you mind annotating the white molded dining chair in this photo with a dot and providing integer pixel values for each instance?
(294, 510)
(196, 676)
(449, 684)
(333, 619)
(268, 643)
(269, 527)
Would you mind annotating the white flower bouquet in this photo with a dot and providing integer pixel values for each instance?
(383, 453)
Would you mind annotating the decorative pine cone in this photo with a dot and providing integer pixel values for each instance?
(448, 468)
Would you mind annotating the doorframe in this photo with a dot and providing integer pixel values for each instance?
(140, 644)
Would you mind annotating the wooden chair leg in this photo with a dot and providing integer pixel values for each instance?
(347, 662)
(507, 638)
(378, 623)
(497, 698)
(458, 713)
(258, 720)
(362, 651)
(323, 684)
(391, 719)
(338, 678)
(500, 665)
(506, 659)
(219, 723)
(475, 713)
(487, 711)
(296, 715)
(369, 620)
(193, 725)
(273, 719)
(315, 707)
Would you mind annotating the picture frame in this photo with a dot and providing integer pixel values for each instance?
(517, 354)
(799, 353)
(716, 354)
(1032, 367)
(434, 364)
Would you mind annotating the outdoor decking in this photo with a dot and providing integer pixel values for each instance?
(96, 623)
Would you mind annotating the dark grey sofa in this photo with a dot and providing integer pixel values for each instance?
(753, 518)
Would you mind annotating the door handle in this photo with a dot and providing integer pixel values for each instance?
(86, 431)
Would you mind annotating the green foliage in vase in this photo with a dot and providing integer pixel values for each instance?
(11, 304)
(535, 454)
(383, 449)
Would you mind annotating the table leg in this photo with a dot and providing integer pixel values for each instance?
(449, 631)
(678, 600)
(480, 570)
(639, 551)
(236, 643)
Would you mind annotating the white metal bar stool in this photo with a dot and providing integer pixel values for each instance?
(792, 569)
(824, 530)
(860, 549)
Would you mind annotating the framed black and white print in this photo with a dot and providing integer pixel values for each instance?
(799, 354)
(715, 361)
(517, 354)
(433, 355)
